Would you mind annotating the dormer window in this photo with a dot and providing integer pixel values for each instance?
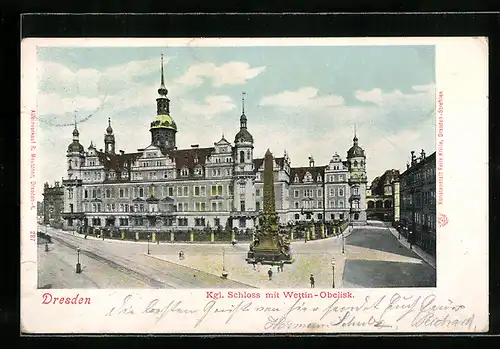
(319, 179)
(198, 171)
(296, 179)
(184, 172)
(308, 177)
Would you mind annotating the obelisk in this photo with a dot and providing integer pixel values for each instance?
(269, 246)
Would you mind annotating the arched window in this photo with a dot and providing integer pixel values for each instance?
(356, 216)
(242, 156)
(108, 193)
(371, 204)
(296, 205)
(387, 204)
(355, 163)
(379, 204)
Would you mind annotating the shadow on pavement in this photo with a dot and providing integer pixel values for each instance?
(380, 240)
(381, 274)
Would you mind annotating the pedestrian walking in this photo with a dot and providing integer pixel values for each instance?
(281, 266)
(254, 265)
(270, 273)
(410, 239)
(311, 281)
(278, 268)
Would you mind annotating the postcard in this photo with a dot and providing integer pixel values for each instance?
(239, 185)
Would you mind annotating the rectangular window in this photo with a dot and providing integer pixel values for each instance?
(257, 206)
(216, 222)
(242, 223)
(179, 191)
(320, 193)
(257, 192)
(186, 208)
(332, 191)
(203, 206)
(86, 194)
(219, 190)
(196, 191)
(179, 207)
(203, 191)
(170, 191)
(242, 205)
(295, 193)
(214, 206)
(214, 190)
(141, 192)
(219, 206)
(186, 191)
(197, 206)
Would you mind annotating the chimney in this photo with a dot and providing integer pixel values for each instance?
(311, 161)
(195, 145)
(122, 152)
(407, 165)
(422, 154)
(100, 150)
(412, 157)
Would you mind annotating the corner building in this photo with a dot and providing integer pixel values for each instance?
(163, 188)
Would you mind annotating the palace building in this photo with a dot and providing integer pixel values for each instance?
(161, 187)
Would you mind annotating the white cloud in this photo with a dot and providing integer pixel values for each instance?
(212, 105)
(424, 88)
(306, 97)
(231, 73)
(58, 105)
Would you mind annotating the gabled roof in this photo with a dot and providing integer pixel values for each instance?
(116, 161)
(185, 157)
(300, 172)
(257, 163)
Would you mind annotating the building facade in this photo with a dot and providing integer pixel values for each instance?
(53, 203)
(418, 200)
(161, 187)
(383, 197)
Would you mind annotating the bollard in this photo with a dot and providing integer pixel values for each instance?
(212, 237)
(153, 238)
(171, 236)
(191, 236)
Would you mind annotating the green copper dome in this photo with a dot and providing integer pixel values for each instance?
(164, 121)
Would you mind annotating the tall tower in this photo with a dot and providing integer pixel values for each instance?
(163, 128)
(75, 155)
(356, 160)
(73, 185)
(109, 139)
(244, 176)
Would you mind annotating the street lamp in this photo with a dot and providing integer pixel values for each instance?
(224, 272)
(149, 235)
(333, 272)
(78, 265)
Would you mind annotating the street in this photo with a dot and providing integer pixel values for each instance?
(373, 258)
(114, 264)
(376, 259)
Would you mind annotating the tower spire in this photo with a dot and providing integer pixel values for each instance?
(243, 103)
(162, 91)
(355, 139)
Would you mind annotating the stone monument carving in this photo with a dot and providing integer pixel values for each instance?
(271, 245)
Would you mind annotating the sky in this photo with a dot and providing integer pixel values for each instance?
(305, 100)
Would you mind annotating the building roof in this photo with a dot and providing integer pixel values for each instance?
(257, 163)
(300, 172)
(116, 161)
(243, 136)
(75, 147)
(186, 157)
(420, 164)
